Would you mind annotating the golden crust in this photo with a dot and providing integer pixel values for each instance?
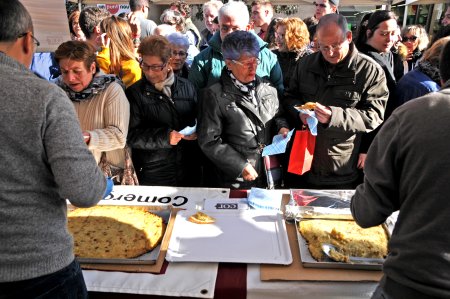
(307, 106)
(346, 235)
(201, 218)
(114, 231)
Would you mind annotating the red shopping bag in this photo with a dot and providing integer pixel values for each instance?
(302, 152)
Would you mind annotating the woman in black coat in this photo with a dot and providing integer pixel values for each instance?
(161, 105)
(238, 116)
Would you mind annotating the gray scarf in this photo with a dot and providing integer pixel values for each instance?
(98, 84)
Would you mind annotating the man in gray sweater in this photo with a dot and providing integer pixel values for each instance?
(407, 169)
(43, 162)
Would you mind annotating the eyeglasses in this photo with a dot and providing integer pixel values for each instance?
(332, 48)
(249, 63)
(179, 53)
(411, 38)
(35, 41)
(321, 5)
(155, 68)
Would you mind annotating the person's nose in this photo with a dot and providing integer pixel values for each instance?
(70, 77)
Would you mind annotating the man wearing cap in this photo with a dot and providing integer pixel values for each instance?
(323, 7)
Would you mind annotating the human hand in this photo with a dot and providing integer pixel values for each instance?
(323, 113)
(249, 173)
(303, 118)
(86, 137)
(193, 136)
(135, 25)
(361, 161)
(283, 131)
(105, 40)
(175, 137)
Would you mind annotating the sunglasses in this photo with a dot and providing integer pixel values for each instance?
(321, 5)
(411, 38)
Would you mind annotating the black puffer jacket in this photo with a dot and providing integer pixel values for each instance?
(228, 123)
(153, 117)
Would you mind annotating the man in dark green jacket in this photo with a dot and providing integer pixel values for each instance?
(351, 93)
(208, 64)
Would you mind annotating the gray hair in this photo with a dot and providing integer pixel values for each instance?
(14, 20)
(178, 39)
(240, 43)
(212, 3)
(337, 19)
(238, 9)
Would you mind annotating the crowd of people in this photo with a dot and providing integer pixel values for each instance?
(128, 88)
(353, 99)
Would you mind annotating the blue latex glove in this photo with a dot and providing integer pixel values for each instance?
(109, 186)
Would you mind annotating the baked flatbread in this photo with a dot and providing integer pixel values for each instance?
(114, 231)
(307, 106)
(347, 236)
(201, 218)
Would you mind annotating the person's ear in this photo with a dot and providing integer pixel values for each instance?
(349, 36)
(27, 44)
(93, 68)
(228, 63)
(369, 33)
(97, 30)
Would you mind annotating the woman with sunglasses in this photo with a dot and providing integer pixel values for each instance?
(162, 104)
(238, 116)
(415, 38)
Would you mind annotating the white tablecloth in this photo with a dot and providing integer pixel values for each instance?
(257, 289)
(180, 279)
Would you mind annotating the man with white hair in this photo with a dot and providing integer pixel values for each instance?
(208, 65)
(210, 12)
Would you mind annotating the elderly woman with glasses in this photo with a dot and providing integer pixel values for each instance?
(162, 105)
(238, 116)
(180, 60)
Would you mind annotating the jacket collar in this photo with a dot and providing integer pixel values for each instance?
(149, 87)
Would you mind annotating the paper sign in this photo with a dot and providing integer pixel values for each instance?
(186, 198)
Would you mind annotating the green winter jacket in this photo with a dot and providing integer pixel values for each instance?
(208, 65)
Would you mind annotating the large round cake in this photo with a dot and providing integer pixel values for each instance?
(114, 231)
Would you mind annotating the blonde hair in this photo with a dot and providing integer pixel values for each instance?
(421, 34)
(297, 34)
(121, 45)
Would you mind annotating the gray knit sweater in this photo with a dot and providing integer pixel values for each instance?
(43, 161)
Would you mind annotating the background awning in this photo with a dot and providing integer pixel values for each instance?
(51, 26)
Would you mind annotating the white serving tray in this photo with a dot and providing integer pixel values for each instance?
(245, 236)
